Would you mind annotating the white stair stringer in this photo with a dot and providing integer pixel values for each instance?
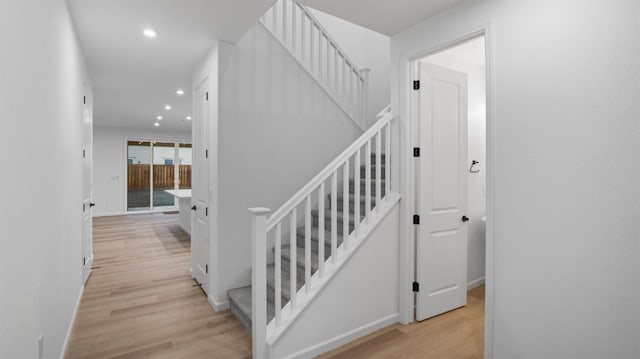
(331, 269)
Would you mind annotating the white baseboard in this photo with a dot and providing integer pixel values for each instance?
(345, 337)
(108, 214)
(217, 306)
(475, 283)
(186, 230)
(73, 320)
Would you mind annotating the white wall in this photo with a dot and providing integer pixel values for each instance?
(367, 49)
(563, 212)
(109, 164)
(42, 76)
(277, 129)
(476, 182)
(361, 298)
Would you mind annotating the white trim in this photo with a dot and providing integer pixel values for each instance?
(71, 323)
(406, 124)
(108, 214)
(217, 306)
(345, 338)
(475, 283)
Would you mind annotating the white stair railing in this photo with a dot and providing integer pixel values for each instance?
(349, 165)
(298, 31)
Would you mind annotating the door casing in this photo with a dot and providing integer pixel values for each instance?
(406, 130)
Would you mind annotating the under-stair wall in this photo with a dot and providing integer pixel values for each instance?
(361, 298)
(276, 128)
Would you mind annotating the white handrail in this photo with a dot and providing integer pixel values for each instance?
(305, 191)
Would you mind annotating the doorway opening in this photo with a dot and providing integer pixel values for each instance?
(449, 111)
(153, 167)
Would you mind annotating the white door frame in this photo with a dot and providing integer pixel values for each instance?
(408, 138)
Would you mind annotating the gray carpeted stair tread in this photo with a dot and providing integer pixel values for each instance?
(286, 257)
(383, 158)
(373, 172)
(327, 218)
(285, 283)
(315, 236)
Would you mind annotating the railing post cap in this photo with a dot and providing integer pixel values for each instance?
(257, 211)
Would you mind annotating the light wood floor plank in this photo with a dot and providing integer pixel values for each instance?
(140, 301)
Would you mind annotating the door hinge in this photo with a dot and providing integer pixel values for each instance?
(84, 261)
(416, 152)
(206, 153)
(206, 268)
(84, 100)
(84, 153)
(207, 96)
(416, 219)
(416, 287)
(416, 85)
(206, 211)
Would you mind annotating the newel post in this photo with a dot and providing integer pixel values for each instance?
(259, 281)
(365, 97)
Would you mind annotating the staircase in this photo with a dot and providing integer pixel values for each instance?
(300, 247)
(240, 298)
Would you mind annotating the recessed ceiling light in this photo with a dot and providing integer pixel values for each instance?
(180, 92)
(156, 124)
(150, 33)
(159, 117)
(189, 118)
(167, 107)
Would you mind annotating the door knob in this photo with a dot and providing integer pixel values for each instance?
(91, 204)
(464, 218)
(193, 208)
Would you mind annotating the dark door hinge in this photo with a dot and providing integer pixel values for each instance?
(84, 100)
(416, 287)
(206, 211)
(84, 153)
(207, 96)
(416, 152)
(206, 153)
(206, 268)
(84, 261)
(416, 219)
(416, 85)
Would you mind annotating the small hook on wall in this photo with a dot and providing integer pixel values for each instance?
(473, 163)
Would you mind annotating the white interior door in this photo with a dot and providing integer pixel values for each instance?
(200, 190)
(87, 188)
(441, 263)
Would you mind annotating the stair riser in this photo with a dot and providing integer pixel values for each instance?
(314, 242)
(327, 224)
(363, 188)
(373, 173)
(363, 207)
(383, 159)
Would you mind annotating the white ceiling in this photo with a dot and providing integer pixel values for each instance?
(134, 77)
(388, 17)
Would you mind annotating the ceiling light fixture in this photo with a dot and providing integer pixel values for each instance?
(150, 33)
(189, 118)
(167, 107)
(180, 92)
(156, 124)
(159, 117)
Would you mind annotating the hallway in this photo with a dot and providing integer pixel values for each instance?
(140, 300)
